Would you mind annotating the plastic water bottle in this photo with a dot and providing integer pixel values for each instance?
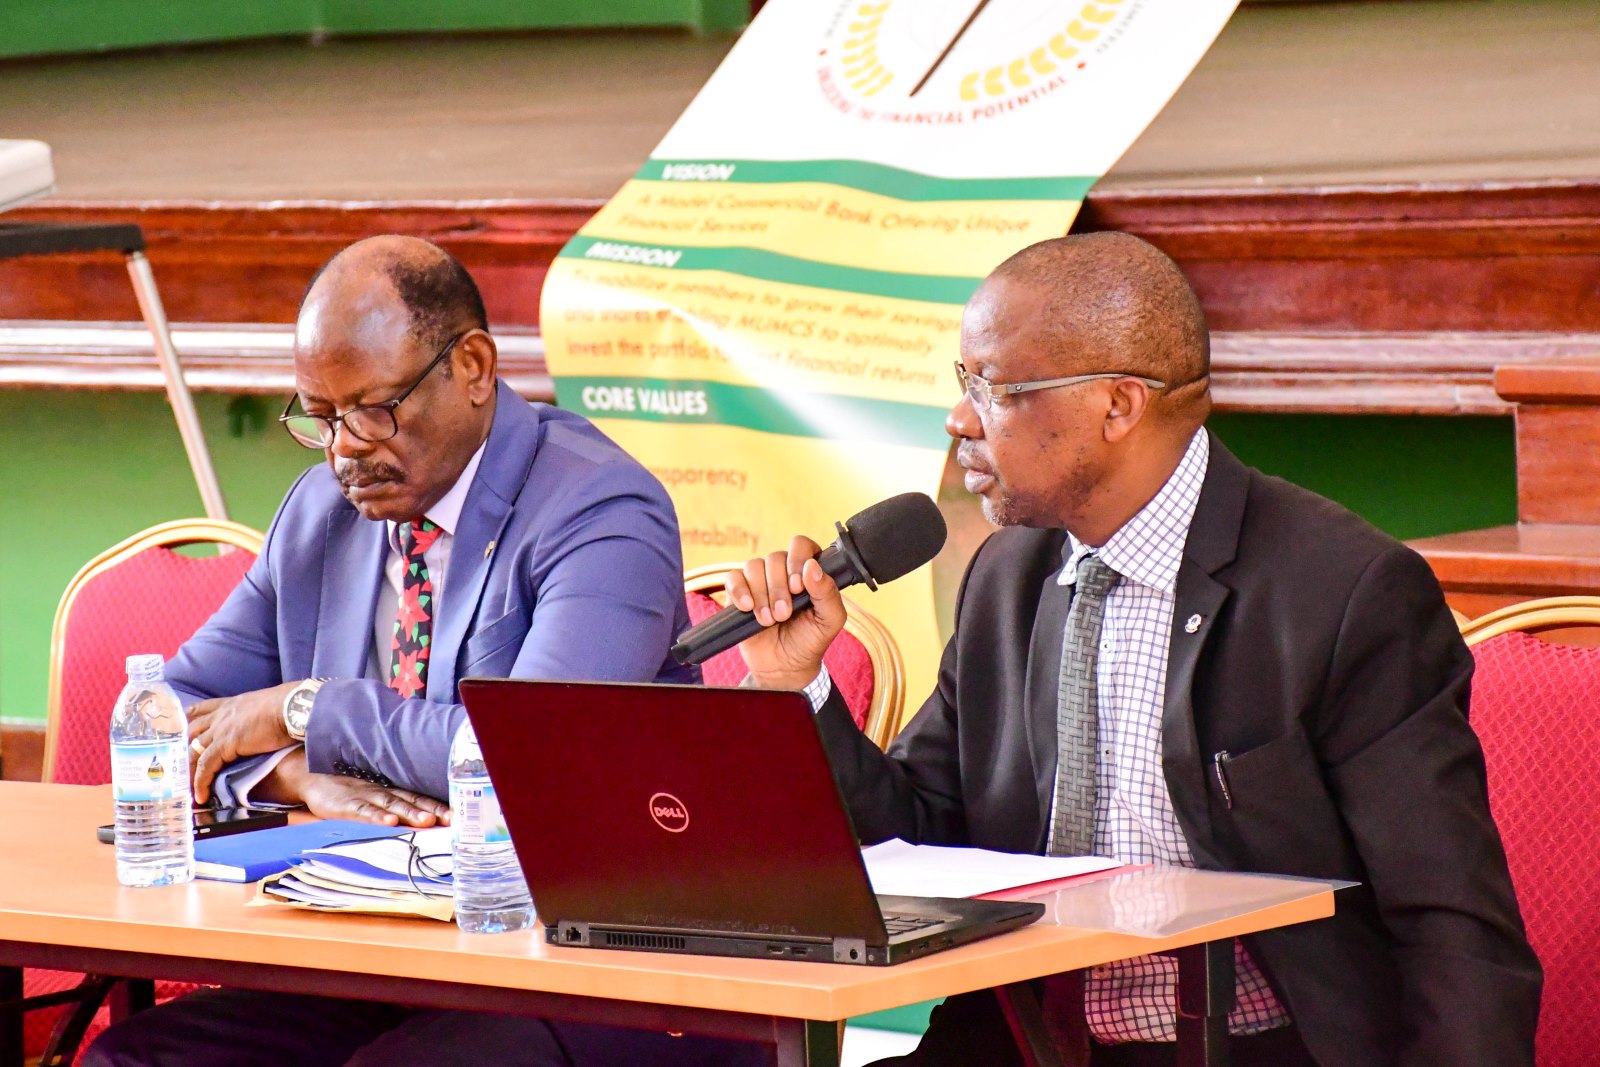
(150, 779)
(491, 894)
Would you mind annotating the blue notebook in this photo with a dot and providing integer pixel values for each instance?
(252, 856)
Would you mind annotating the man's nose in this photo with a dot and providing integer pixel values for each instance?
(347, 445)
(963, 421)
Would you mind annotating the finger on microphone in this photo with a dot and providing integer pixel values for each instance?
(801, 548)
(755, 577)
(824, 591)
(738, 590)
(778, 585)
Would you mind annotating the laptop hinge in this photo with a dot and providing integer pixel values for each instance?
(572, 933)
(849, 950)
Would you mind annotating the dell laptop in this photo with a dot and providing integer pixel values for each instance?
(694, 819)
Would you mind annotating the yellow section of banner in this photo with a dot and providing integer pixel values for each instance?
(742, 493)
(819, 220)
(611, 319)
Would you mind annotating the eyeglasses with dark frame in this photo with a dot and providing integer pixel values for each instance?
(369, 422)
(981, 391)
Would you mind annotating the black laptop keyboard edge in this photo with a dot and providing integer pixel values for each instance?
(899, 923)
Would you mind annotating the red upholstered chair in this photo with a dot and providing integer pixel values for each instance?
(1536, 709)
(140, 596)
(863, 660)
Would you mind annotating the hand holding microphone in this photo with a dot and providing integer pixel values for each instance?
(787, 652)
(782, 643)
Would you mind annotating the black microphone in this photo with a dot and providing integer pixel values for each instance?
(891, 538)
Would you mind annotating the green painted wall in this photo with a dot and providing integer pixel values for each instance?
(43, 27)
(84, 470)
(1413, 477)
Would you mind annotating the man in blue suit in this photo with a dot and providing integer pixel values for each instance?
(545, 536)
(455, 529)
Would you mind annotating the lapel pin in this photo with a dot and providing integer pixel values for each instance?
(488, 548)
(1192, 624)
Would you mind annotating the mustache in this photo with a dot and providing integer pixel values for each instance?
(350, 472)
(967, 457)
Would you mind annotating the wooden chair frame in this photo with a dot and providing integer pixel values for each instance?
(888, 667)
(173, 534)
(1532, 616)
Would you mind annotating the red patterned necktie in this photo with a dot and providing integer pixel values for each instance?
(413, 624)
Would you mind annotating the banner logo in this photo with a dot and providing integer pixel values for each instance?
(951, 62)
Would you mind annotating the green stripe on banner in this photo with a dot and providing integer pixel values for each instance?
(776, 267)
(830, 416)
(868, 177)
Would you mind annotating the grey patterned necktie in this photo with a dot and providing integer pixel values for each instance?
(1078, 711)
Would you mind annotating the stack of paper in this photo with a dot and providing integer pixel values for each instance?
(407, 875)
(897, 869)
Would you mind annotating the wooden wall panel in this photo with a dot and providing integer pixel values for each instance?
(1554, 550)
(1402, 258)
(251, 262)
(1346, 373)
(1387, 259)
(21, 753)
(1558, 438)
(1558, 464)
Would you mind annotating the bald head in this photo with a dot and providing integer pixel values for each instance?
(1110, 301)
(391, 347)
(1108, 344)
(433, 291)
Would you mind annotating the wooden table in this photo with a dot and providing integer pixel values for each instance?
(61, 907)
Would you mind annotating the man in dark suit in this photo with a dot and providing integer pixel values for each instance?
(1168, 657)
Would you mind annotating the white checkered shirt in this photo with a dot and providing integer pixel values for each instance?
(1134, 822)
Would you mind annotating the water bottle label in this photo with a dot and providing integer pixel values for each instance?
(158, 771)
(475, 814)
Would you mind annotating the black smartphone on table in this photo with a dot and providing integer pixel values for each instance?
(218, 822)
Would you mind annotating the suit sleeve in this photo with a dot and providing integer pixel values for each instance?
(913, 791)
(609, 588)
(236, 651)
(1408, 775)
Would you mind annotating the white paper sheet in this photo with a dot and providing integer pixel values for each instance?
(899, 869)
(390, 857)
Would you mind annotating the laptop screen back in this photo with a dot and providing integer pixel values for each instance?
(673, 807)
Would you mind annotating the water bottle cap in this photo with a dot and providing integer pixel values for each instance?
(146, 667)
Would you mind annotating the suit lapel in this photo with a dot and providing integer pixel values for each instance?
(352, 570)
(507, 458)
(1043, 685)
(481, 522)
(1211, 545)
(1199, 597)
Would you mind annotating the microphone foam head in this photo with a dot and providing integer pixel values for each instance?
(898, 535)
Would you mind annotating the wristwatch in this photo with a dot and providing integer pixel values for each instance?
(297, 707)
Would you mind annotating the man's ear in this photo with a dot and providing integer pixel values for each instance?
(476, 359)
(1130, 400)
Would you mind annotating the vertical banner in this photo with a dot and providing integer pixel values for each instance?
(768, 313)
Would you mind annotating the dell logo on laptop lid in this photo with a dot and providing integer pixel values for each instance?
(669, 813)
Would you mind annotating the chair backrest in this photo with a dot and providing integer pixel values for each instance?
(863, 660)
(1536, 709)
(139, 596)
(1532, 616)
